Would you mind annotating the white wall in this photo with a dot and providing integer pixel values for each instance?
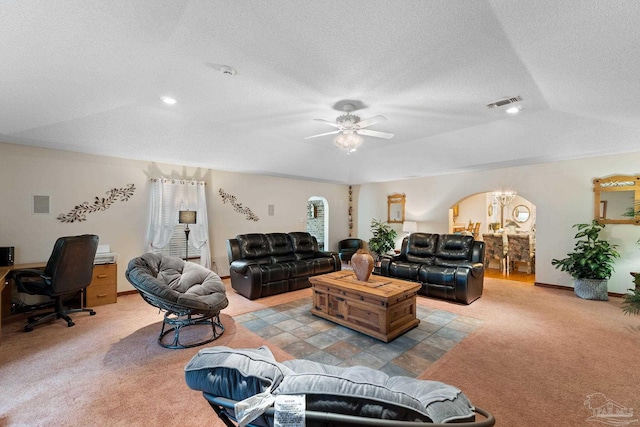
(561, 192)
(72, 178)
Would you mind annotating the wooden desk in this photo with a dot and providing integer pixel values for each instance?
(5, 295)
(104, 291)
(383, 307)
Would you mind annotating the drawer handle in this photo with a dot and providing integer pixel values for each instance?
(101, 276)
(101, 295)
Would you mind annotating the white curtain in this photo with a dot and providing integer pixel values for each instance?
(168, 197)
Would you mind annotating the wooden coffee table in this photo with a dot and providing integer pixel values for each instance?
(382, 307)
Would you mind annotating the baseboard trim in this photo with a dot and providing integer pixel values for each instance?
(131, 292)
(570, 288)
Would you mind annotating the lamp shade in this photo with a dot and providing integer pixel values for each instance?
(187, 217)
(409, 226)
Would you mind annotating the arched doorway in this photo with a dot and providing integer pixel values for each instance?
(516, 219)
(318, 220)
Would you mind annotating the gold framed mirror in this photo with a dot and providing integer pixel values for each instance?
(617, 199)
(521, 213)
(395, 208)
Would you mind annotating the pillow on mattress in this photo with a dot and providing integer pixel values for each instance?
(234, 373)
(367, 392)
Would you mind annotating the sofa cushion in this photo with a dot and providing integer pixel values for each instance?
(437, 275)
(304, 245)
(254, 246)
(280, 248)
(367, 392)
(454, 247)
(234, 373)
(323, 265)
(421, 248)
(273, 272)
(404, 270)
(299, 268)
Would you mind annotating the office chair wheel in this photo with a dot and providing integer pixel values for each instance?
(28, 328)
(92, 313)
(70, 324)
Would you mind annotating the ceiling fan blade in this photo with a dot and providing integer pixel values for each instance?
(322, 134)
(375, 133)
(335, 125)
(371, 121)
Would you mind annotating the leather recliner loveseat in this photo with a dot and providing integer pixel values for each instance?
(273, 263)
(449, 266)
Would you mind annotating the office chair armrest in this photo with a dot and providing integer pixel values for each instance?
(20, 275)
(27, 272)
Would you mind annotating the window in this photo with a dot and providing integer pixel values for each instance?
(176, 246)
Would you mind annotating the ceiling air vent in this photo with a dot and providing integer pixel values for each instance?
(505, 101)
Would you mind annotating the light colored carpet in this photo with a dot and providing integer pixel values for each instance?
(534, 360)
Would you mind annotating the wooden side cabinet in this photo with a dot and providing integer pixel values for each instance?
(104, 286)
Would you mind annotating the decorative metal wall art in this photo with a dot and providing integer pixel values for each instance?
(226, 197)
(350, 212)
(79, 213)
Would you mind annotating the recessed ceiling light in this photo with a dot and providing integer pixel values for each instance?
(168, 100)
(514, 110)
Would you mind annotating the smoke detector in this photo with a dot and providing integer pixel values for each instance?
(227, 70)
(224, 69)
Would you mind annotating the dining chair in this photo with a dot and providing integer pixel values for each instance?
(494, 248)
(521, 250)
(476, 230)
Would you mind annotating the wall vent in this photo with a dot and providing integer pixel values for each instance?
(505, 101)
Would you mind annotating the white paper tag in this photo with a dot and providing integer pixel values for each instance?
(289, 411)
(252, 407)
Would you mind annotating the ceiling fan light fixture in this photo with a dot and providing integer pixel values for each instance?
(168, 100)
(348, 141)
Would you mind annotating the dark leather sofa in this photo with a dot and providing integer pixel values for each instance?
(449, 266)
(273, 263)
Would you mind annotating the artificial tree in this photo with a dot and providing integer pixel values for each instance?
(383, 239)
(590, 263)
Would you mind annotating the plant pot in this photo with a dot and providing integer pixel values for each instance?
(362, 264)
(594, 289)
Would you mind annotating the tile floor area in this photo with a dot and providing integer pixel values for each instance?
(294, 329)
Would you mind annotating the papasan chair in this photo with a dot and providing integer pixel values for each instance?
(188, 293)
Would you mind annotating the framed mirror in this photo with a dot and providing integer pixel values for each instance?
(617, 199)
(521, 213)
(395, 208)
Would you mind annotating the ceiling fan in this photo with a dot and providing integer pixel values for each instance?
(350, 127)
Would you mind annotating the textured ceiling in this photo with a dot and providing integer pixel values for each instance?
(88, 75)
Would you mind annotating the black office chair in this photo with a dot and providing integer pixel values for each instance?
(68, 271)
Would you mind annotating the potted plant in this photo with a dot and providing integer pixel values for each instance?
(590, 263)
(383, 238)
(631, 302)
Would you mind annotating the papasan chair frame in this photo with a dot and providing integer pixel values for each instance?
(224, 409)
(142, 273)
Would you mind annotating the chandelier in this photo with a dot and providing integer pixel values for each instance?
(348, 141)
(503, 198)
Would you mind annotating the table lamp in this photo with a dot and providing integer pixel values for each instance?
(409, 227)
(187, 217)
